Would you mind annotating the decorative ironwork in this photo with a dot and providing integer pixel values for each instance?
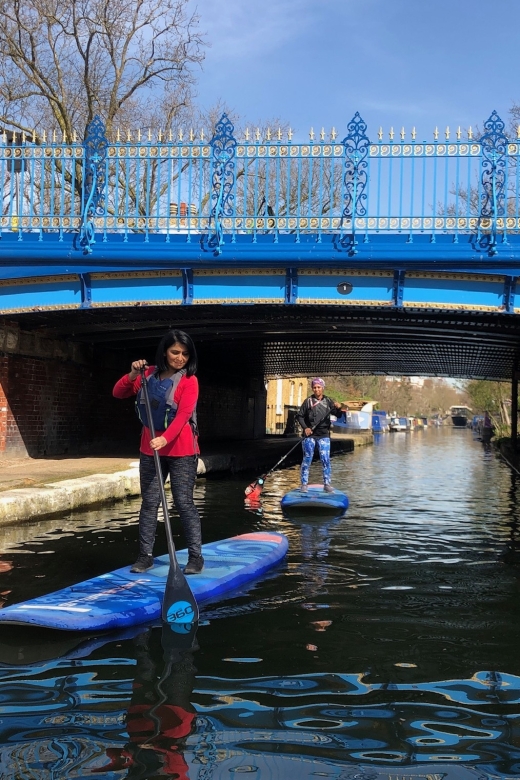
(223, 189)
(95, 145)
(223, 145)
(493, 176)
(356, 145)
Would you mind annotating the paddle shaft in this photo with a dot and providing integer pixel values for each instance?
(284, 457)
(158, 471)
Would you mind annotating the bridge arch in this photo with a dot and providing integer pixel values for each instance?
(281, 258)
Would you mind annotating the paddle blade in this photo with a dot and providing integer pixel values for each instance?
(179, 605)
(254, 489)
(178, 639)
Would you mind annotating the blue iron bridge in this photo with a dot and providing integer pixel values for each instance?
(372, 255)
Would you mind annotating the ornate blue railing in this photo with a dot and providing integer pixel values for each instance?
(215, 190)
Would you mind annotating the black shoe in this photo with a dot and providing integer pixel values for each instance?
(195, 564)
(142, 564)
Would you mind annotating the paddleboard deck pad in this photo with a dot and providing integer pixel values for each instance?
(315, 498)
(121, 598)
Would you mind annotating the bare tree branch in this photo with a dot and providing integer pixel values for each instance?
(63, 61)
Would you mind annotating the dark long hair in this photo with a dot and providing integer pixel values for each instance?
(172, 337)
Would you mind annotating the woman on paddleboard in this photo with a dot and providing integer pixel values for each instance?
(314, 418)
(173, 389)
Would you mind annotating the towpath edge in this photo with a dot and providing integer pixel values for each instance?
(52, 487)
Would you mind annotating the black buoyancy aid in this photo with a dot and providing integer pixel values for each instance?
(164, 408)
(316, 413)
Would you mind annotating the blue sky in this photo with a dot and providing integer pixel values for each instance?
(405, 62)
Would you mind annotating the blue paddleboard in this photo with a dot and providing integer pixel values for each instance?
(315, 498)
(120, 598)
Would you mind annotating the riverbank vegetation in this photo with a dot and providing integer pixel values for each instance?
(424, 398)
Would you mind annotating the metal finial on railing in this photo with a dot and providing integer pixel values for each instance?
(391, 134)
(333, 134)
(470, 133)
(436, 134)
(459, 132)
(414, 134)
(447, 133)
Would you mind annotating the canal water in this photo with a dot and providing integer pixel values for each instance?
(386, 646)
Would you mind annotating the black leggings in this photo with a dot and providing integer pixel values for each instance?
(183, 473)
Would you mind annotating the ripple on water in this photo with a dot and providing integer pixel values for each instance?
(388, 637)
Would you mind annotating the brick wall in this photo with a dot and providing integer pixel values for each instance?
(59, 401)
(4, 417)
(46, 406)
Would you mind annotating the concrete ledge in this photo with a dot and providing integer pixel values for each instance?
(69, 494)
(66, 495)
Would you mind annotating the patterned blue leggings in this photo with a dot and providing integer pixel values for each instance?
(309, 445)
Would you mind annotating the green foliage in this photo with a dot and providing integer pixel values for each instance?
(434, 397)
(487, 395)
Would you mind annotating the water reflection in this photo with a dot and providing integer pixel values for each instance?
(511, 553)
(160, 715)
(385, 647)
(151, 716)
(64, 718)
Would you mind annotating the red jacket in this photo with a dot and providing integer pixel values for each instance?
(179, 434)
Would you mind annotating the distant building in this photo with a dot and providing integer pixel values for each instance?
(283, 396)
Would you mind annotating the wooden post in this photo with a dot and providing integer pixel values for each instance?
(514, 409)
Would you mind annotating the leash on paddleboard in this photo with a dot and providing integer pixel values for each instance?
(179, 604)
(254, 489)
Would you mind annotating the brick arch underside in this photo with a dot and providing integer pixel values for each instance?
(275, 341)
